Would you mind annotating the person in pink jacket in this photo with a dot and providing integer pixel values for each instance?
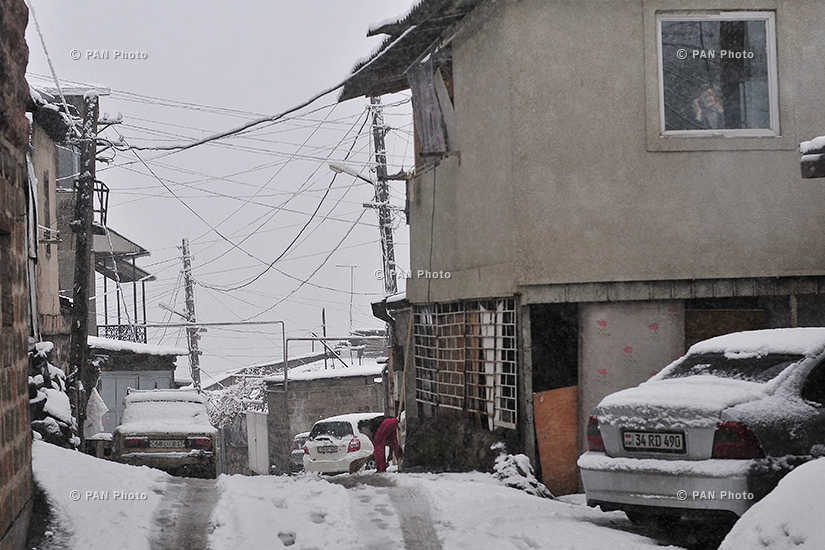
(383, 431)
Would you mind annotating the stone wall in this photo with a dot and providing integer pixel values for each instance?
(15, 430)
(307, 401)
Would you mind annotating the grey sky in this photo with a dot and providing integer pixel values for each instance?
(256, 58)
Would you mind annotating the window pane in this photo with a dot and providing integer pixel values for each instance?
(715, 74)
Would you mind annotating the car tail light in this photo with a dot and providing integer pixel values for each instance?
(594, 436)
(199, 443)
(354, 445)
(306, 451)
(135, 442)
(736, 440)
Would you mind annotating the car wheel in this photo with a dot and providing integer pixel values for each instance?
(370, 464)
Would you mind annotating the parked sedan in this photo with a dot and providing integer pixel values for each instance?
(714, 431)
(335, 445)
(168, 430)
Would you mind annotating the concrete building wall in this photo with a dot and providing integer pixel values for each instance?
(562, 175)
(15, 424)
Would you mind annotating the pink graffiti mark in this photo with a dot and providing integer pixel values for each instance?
(602, 323)
(628, 350)
(654, 326)
(603, 372)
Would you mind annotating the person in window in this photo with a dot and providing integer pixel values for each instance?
(708, 112)
(382, 431)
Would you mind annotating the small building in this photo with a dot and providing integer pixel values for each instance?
(311, 393)
(125, 365)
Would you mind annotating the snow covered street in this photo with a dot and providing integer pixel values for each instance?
(101, 504)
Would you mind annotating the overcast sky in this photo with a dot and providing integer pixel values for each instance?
(185, 69)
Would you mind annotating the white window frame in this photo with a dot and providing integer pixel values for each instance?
(773, 88)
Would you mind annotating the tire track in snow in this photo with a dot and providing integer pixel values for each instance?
(182, 520)
(410, 513)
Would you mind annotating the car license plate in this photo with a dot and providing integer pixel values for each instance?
(663, 442)
(166, 443)
(327, 449)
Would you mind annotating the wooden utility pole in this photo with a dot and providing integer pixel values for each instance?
(85, 375)
(194, 354)
(382, 195)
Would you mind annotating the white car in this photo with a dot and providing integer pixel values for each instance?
(168, 430)
(714, 431)
(335, 445)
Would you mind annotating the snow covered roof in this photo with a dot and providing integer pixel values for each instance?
(316, 370)
(409, 36)
(134, 347)
(797, 341)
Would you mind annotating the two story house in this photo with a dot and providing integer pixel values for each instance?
(598, 185)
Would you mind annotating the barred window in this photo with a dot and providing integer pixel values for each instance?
(465, 359)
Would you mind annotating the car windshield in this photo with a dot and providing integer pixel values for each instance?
(750, 367)
(334, 429)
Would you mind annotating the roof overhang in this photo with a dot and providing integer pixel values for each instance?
(429, 24)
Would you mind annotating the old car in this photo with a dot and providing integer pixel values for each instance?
(335, 445)
(713, 432)
(168, 430)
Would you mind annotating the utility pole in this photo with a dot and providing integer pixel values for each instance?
(85, 375)
(382, 196)
(194, 354)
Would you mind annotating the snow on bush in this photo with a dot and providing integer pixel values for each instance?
(515, 471)
(51, 410)
(789, 517)
(226, 405)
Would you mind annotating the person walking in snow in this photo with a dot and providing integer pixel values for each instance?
(382, 431)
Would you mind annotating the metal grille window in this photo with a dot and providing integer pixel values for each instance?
(465, 358)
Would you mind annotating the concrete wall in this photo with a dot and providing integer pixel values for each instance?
(307, 401)
(562, 175)
(15, 424)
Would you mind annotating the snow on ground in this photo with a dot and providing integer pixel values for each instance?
(97, 503)
(789, 517)
(469, 511)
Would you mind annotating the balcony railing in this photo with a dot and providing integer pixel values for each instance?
(123, 332)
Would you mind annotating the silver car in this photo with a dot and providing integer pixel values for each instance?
(714, 431)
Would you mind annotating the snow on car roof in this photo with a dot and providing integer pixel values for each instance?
(798, 341)
(351, 417)
(165, 411)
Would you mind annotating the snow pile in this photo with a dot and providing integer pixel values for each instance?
(795, 341)
(49, 403)
(96, 503)
(789, 517)
(816, 145)
(515, 471)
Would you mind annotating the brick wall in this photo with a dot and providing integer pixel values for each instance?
(15, 430)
